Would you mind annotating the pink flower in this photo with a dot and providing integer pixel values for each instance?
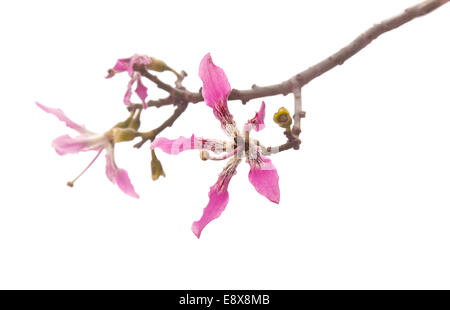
(127, 64)
(90, 141)
(262, 175)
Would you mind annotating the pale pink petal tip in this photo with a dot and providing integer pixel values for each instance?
(124, 183)
(258, 121)
(265, 180)
(119, 177)
(216, 87)
(218, 200)
(62, 117)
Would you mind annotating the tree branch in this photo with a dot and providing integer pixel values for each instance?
(306, 76)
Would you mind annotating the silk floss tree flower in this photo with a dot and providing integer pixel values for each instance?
(91, 141)
(262, 175)
(128, 65)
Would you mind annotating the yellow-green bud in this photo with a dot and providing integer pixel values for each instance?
(136, 122)
(157, 65)
(283, 118)
(157, 169)
(123, 134)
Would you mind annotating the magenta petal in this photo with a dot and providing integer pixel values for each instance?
(124, 183)
(216, 87)
(141, 91)
(218, 197)
(122, 64)
(218, 200)
(62, 117)
(67, 145)
(257, 123)
(264, 178)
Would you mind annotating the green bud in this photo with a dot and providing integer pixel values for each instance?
(126, 122)
(123, 134)
(157, 169)
(136, 122)
(159, 66)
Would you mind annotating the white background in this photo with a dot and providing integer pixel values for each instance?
(364, 204)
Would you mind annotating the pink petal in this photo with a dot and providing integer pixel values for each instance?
(216, 89)
(118, 176)
(218, 197)
(62, 117)
(141, 91)
(139, 59)
(67, 145)
(181, 144)
(127, 97)
(218, 200)
(264, 178)
(122, 64)
(257, 123)
(124, 183)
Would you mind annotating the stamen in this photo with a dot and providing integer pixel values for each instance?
(204, 155)
(71, 183)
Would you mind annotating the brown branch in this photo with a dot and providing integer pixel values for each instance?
(151, 135)
(293, 84)
(304, 77)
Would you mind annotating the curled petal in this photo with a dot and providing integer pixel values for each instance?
(127, 97)
(218, 197)
(141, 91)
(181, 144)
(118, 176)
(264, 177)
(257, 123)
(216, 89)
(62, 117)
(140, 60)
(122, 64)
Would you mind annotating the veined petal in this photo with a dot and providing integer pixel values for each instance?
(264, 177)
(257, 123)
(181, 144)
(141, 91)
(218, 197)
(216, 89)
(62, 117)
(67, 145)
(117, 175)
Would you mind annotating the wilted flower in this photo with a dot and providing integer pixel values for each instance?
(90, 141)
(127, 64)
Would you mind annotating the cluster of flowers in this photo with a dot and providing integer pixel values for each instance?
(216, 89)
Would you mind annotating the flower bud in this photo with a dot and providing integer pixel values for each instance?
(204, 155)
(157, 169)
(157, 65)
(283, 118)
(136, 122)
(123, 134)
